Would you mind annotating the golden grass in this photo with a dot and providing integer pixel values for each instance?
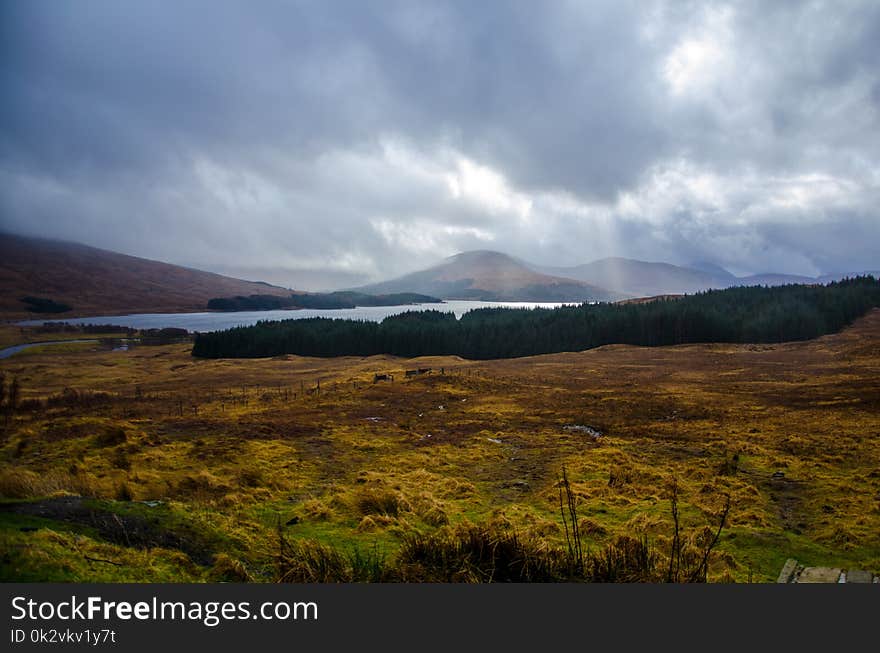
(789, 431)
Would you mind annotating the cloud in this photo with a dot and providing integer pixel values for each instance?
(332, 143)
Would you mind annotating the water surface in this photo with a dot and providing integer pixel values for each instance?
(216, 321)
(14, 349)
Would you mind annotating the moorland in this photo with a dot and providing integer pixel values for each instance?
(152, 465)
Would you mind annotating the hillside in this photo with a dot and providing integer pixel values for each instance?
(644, 279)
(490, 276)
(93, 281)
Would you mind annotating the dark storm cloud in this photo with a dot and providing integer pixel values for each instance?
(353, 140)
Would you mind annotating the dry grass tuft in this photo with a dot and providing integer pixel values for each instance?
(317, 510)
(25, 484)
(227, 569)
(201, 487)
(380, 501)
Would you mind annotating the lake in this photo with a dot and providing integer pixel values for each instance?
(218, 321)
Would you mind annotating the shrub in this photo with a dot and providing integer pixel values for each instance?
(120, 460)
(476, 554)
(123, 492)
(228, 570)
(110, 437)
(309, 561)
(25, 484)
(203, 486)
(31, 405)
(379, 502)
(250, 478)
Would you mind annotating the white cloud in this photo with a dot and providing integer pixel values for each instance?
(702, 58)
(487, 189)
(378, 141)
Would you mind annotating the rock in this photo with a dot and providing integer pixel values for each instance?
(582, 428)
(819, 575)
(859, 576)
(788, 570)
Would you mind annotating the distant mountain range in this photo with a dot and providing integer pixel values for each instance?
(643, 279)
(493, 276)
(44, 278)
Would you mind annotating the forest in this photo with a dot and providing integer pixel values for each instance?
(44, 305)
(734, 315)
(321, 301)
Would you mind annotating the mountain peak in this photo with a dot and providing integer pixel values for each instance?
(490, 276)
(711, 268)
(479, 255)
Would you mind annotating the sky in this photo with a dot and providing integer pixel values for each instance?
(325, 144)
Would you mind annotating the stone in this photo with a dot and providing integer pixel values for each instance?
(819, 575)
(788, 570)
(859, 576)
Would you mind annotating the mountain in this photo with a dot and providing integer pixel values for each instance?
(93, 281)
(643, 279)
(490, 276)
(495, 276)
(711, 268)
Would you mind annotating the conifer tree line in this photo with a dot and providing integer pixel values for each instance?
(321, 301)
(737, 315)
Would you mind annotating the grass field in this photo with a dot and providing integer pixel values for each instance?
(149, 465)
